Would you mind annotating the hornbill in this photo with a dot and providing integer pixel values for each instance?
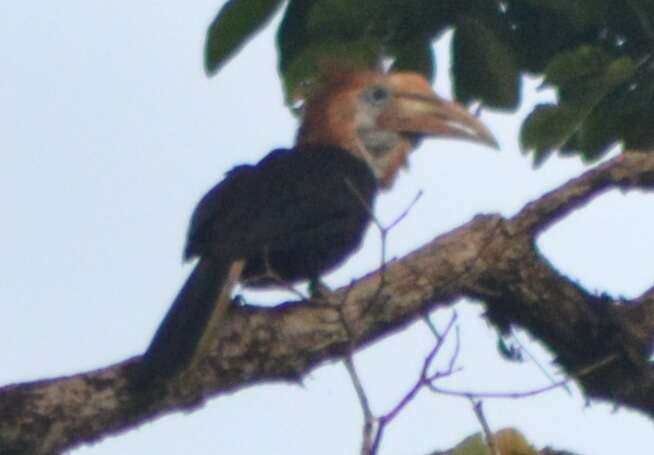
(300, 212)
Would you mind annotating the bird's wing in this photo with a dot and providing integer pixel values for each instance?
(224, 202)
(288, 196)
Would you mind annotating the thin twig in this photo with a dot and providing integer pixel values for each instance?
(370, 446)
(432, 326)
(363, 203)
(451, 367)
(380, 226)
(369, 419)
(406, 211)
(383, 232)
(439, 345)
(479, 412)
(413, 392)
(516, 395)
(536, 362)
(457, 349)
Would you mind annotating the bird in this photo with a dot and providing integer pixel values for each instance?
(301, 211)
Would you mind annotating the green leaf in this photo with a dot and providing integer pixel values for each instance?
(587, 64)
(639, 134)
(416, 56)
(546, 128)
(308, 22)
(599, 131)
(472, 445)
(348, 18)
(567, 66)
(582, 95)
(581, 14)
(483, 67)
(571, 146)
(236, 22)
(585, 120)
(317, 57)
(620, 71)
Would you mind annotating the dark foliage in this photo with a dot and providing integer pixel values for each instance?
(597, 54)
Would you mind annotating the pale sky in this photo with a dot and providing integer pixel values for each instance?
(110, 134)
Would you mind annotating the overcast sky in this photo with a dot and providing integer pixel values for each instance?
(110, 133)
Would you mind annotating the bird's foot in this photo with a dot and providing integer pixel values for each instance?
(318, 290)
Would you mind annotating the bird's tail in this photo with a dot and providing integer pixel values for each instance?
(189, 327)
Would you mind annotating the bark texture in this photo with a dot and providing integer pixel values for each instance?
(605, 343)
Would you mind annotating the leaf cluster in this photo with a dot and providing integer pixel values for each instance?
(596, 54)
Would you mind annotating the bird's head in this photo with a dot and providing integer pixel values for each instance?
(380, 118)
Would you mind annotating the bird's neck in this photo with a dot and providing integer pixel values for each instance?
(384, 152)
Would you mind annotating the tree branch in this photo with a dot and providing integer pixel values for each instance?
(491, 259)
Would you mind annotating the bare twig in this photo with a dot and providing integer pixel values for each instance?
(383, 232)
(405, 212)
(432, 327)
(364, 203)
(370, 446)
(423, 380)
(536, 362)
(530, 393)
(369, 419)
(348, 361)
(457, 350)
(477, 406)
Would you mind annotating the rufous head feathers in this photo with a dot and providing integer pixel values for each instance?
(380, 117)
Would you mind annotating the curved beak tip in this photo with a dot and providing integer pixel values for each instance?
(487, 138)
(433, 116)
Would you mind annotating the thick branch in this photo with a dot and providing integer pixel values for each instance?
(490, 258)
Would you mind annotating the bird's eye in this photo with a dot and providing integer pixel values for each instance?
(377, 94)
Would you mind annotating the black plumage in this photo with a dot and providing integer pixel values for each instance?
(297, 213)
(300, 212)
